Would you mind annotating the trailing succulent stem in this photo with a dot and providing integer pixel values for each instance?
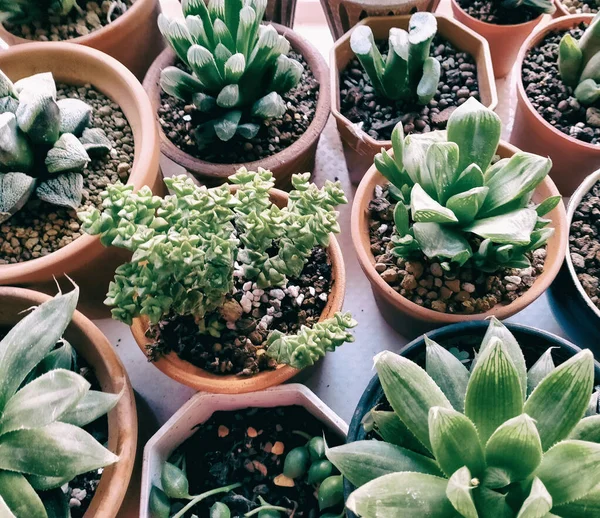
(408, 72)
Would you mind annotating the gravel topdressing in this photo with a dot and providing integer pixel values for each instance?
(493, 12)
(581, 7)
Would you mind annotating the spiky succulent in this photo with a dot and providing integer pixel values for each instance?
(448, 193)
(239, 67)
(26, 11)
(43, 406)
(495, 441)
(45, 144)
(541, 6)
(579, 63)
(408, 72)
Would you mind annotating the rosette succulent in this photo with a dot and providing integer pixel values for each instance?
(495, 441)
(45, 144)
(408, 72)
(239, 68)
(449, 192)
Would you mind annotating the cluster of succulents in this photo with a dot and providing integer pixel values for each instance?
(541, 6)
(408, 72)
(448, 190)
(239, 67)
(45, 144)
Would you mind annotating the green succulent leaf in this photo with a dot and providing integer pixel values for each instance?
(570, 59)
(174, 482)
(16, 154)
(67, 155)
(588, 429)
(539, 370)
(271, 106)
(95, 142)
(63, 190)
(38, 116)
(512, 228)
(441, 164)
(538, 503)
(425, 209)
(470, 178)
(592, 408)
(15, 191)
(587, 506)
(467, 204)
(392, 430)
(226, 126)
(548, 205)
(159, 504)
(401, 219)
(428, 85)
(492, 504)
(460, 493)
(437, 241)
(587, 92)
(179, 84)
(75, 116)
(57, 504)
(90, 407)
(43, 84)
(19, 498)
(363, 45)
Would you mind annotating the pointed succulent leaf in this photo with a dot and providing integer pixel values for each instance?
(15, 191)
(286, 75)
(585, 507)
(68, 154)
(20, 499)
(422, 27)
(178, 36)
(538, 503)
(495, 478)
(43, 84)
(95, 142)
(159, 504)
(221, 54)
(179, 84)
(223, 35)
(539, 370)
(229, 97)
(48, 483)
(460, 493)
(245, 31)
(467, 204)
(592, 408)
(425, 209)
(174, 482)
(203, 63)
(363, 45)
(197, 31)
(492, 504)
(548, 205)
(248, 130)
(428, 85)
(39, 117)
(226, 126)
(414, 159)
(395, 74)
(588, 429)
(271, 106)
(437, 241)
(59, 358)
(570, 60)
(63, 190)
(441, 160)
(75, 116)
(587, 92)
(204, 103)
(234, 68)
(591, 69)
(401, 219)
(494, 168)
(514, 228)
(15, 153)
(392, 430)
(470, 178)
(90, 407)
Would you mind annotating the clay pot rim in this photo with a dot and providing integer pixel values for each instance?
(142, 164)
(487, 25)
(115, 478)
(204, 168)
(366, 259)
(561, 9)
(202, 380)
(335, 82)
(532, 41)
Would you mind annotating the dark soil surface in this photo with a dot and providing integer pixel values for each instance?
(240, 348)
(493, 12)
(553, 100)
(378, 116)
(93, 15)
(424, 282)
(179, 121)
(584, 243)
(40, 228)
(238, 447)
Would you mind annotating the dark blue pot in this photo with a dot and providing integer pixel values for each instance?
(466, 336)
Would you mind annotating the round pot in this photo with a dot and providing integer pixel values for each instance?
(572, 159)
(184, 372)
(77, 64)
(133, 39)
(504, 40)
(297, 158)
(534, 343)
(410, 318)
(94, 347)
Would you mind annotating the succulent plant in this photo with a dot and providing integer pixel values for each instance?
(43, 406)
(44, 144)
(408, 72)
(496, 441)
(448, 191)
(541, 6)
(27, 11)
(239, 67)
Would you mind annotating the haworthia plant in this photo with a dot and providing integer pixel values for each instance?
(43, 407)
(521, 448)
(449, 192)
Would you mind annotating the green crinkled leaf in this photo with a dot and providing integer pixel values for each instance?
(67, 155)
(586, 507)
(64, 190)
(75, 116)
(248, 130)
(15, 153)
(437, 241)
(425, 209)
(392, 430)
(514, 228)
(466, 205)
(539, 370)
(271, 106)
(19, 497)
(460, 493)
(588, 429)
(414, 158)
(15, 191)
(42, 83)
(226, 126)
(95, 142)
(538, 503)
(90, 407)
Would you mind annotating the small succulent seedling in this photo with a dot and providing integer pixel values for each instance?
(239, 67)
(496, 441)
(43, 407)
(448, 192)
(45, 144)
(541, 6)
(408, 72)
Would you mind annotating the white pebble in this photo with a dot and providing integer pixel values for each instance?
(323, 297)
(80, 494)
(270, 310)
(277, 294)
(514, 279)
(74, 503)
(312, 291)
(247, 286)
(300, 299)
(257, 293)
(266, 321)
(256, 304)
(279, 314)
(382, 229)
(293, 291)
(246, 304)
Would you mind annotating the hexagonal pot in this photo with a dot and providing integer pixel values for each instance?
(97, 351)
(412, 319)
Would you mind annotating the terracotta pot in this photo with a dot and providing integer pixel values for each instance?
(297, 158)
(281, 11)
(410, 318)
(504, 40)
(572, 159)
(133, 39)
(96, 350)
(77, 64)
(460, 36)
(199, 379)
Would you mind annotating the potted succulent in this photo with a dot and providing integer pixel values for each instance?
(60, 376)
(254, 283)
(106, 26)
(231, 91)
(367, 101)
(559, 112)
(445, 235)
(505, 25)
(481, 432)
(42, 239)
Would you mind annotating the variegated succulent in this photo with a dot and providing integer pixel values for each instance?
(239, 67)
(498, 441)
(408, 72)
(449, 192)
(45, 144)
(43, 406)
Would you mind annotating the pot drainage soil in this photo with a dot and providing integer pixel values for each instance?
(463, 290)
(377, 115)
(251, 314)
(552, 99)
(178, 121)
(91, 16)
(40, 228)
(581, 7)
(493, 12)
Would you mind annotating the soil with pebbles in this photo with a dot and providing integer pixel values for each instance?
(248, 317)
(40, 228)
(493, 12)
(581, 7)
(91, 16)
(552, 99)
(179, 120)
(377, 115)
(584, 243)
(463, 290)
